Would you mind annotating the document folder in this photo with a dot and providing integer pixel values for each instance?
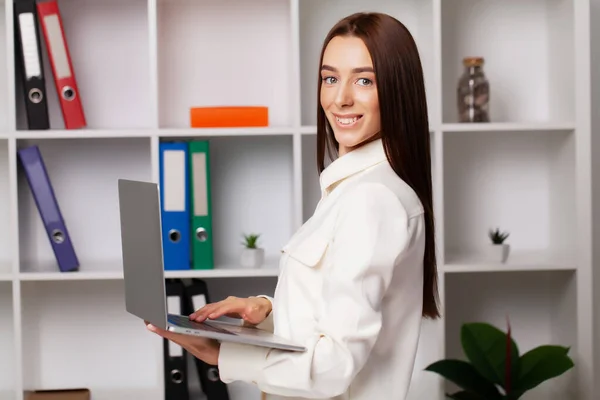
(45, 199)
(28, 55)
(175, 205)
(62, 68)
(201, 205)
(212, 385)
(175, 356)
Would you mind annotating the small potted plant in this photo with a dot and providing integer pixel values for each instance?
(499, 250)
(252, 256)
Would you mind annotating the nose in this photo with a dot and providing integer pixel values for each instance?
(344, 96)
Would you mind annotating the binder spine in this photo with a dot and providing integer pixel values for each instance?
(213, 387)
(174, 198)
(28, 57)
(62, 67)
(49, 210)
(201, 205)
(175, 356)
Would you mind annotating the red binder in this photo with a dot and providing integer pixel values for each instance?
(62, 68)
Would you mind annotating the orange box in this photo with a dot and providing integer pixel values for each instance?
(228, 116)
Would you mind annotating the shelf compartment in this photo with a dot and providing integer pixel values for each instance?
(113, 74)
(520, 182)
(7, 342)
(251, 192)
(84, 175)
(317, 17)
(220, 288)
(6, 236)
(311, 188)
(4, 83)
(541, 306)
(89, 319)
(188, 75)
(531, 82)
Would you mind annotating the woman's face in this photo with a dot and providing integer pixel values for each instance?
(348, 92)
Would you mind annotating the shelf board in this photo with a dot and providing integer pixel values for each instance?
(6, 277)
(507, 127)
(145, 133)
(308, 130)
(201, 132)
(517, 261)
(113, 271)
(224, 273)
(81, 133)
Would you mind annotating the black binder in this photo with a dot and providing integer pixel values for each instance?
(175, 356)
(29, 64)
(212, 386)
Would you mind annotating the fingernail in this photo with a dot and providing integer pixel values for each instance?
(151, 327)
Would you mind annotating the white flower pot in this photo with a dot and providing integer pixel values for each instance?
(252, 258)
(498, 252)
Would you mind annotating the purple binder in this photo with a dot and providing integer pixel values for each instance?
(41, 188)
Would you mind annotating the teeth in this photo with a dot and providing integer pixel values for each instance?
(347, 121)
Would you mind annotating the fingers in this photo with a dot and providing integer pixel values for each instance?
(202, 313)
(159, 331)
(231, 307)
(190, 343)
(172, 336)
(224, 309)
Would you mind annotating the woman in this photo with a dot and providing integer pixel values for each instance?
(359, 276)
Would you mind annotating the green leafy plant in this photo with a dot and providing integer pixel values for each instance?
(251, 240)
(495, 370)
(498, 237)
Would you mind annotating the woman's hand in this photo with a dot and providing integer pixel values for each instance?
(205, 349)
(253, 310)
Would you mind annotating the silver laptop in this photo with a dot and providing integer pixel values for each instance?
(145, 296)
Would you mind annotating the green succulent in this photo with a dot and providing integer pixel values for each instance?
(498, 237)
(251, 240)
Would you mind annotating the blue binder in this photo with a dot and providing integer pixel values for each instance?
(45, 199)
(175, 204)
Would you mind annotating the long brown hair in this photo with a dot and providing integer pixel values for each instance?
(404, 119)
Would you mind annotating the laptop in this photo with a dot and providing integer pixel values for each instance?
(145, 296)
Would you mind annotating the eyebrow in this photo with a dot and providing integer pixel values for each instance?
(354, 70)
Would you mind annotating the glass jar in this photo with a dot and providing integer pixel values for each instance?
(473, 92)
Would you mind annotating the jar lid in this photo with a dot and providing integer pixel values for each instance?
(473, 61)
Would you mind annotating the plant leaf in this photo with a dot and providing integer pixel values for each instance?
(466, 376)
(542, 363)
(508, 364)
(485, 346)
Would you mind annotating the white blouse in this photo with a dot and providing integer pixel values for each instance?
(350, 289)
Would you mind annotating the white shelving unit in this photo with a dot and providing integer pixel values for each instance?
(140, 66)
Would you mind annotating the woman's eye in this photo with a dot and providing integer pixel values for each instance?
(329, 79)
(364, 81)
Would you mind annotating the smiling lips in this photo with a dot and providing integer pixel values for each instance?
(346, 121)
